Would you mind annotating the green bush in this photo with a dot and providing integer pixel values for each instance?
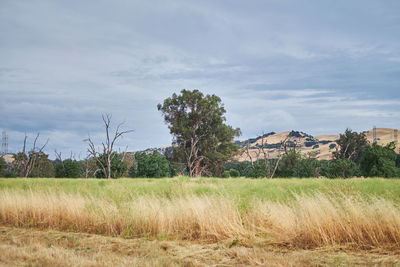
(241, 167)
(343, 168)
(225, 174)
(153, 165)
(9, 174)
(257, 170)
(68, 168)
(234, 173)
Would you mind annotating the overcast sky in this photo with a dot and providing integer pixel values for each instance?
(315, 66)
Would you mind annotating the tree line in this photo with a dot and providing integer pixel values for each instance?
(139, 164)
(203, 146)
(374, 161)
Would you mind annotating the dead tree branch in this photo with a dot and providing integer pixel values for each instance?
(107, 145)
(27, 161)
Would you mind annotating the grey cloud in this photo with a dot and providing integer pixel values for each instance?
(308, 65)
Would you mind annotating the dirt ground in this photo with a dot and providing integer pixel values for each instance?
(27, 247)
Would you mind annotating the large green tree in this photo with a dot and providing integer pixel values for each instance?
(379, 161)
(351, 144)
(202, 139)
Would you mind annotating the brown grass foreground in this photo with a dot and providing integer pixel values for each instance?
(30, 247)
(310, 221)
(307, 222)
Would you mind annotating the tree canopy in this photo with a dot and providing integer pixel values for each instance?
(379, 161)
(202, 139)
(351, 144)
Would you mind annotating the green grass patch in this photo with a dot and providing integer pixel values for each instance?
(242, 189)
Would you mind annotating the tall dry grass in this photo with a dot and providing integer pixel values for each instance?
(309, 221)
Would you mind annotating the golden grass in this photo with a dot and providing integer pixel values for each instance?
(321, 221)
(307, 222)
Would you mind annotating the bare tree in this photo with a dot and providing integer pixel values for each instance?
(265, 156)
(283, 143)
(89, 168)
(107, 146)
(27, 160)
(261, 150)
(58, 157)
(248, 153)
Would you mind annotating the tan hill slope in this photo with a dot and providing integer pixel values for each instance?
(320, 146)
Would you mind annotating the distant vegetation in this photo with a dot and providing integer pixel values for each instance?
(354, 156)
(203, 145)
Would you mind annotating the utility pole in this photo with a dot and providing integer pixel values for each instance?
(374, 134)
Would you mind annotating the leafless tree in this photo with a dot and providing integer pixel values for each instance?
(248, 153)
(107, 146)
(90, 169)
(58, 156)
(261, 150)
(27, 160)
(283, 144)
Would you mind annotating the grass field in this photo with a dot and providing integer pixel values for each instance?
(258, 219)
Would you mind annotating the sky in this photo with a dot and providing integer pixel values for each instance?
(313, 66)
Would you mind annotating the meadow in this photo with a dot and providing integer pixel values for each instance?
(219, 214)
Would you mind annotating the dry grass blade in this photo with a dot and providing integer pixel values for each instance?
(306, 222)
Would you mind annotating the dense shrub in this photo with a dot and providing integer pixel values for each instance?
(225, 174)
(68, 168)
(153, 165)
(234, 173)
(344, 168)
(257, 170)
(241, 167)
(9, 174)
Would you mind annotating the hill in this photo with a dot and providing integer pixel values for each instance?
(320, 146)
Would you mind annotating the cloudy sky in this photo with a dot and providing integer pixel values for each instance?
(315, 66)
